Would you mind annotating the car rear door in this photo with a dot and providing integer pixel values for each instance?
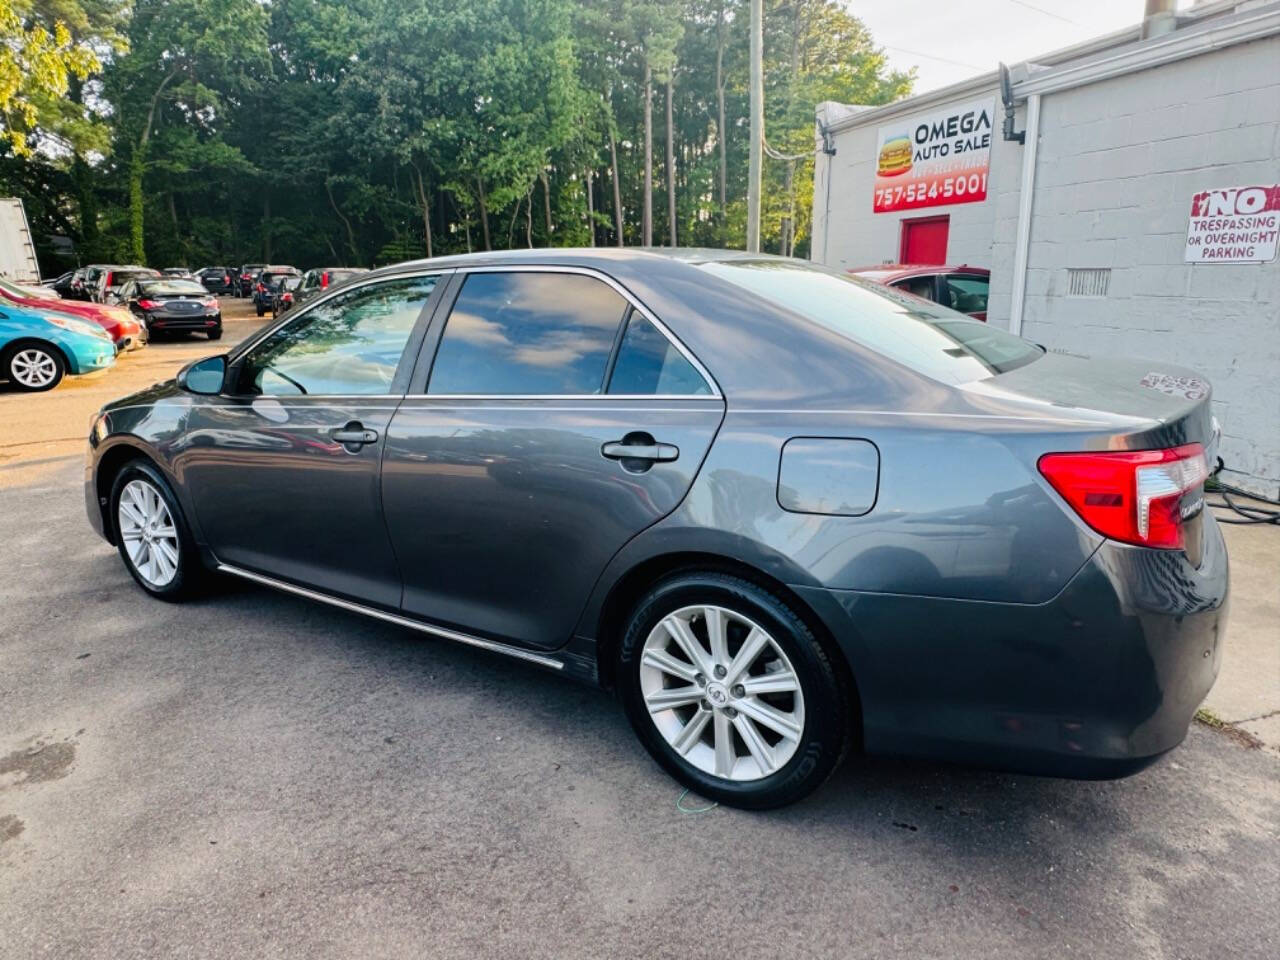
(283, 468)
(551, 420)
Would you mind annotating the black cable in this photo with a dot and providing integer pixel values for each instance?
(1247, 513)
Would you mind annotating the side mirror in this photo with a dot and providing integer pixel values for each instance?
(205, 376)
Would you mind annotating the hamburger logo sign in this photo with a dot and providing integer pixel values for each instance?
(935, 159)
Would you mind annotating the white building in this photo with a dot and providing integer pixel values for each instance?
(1087, 226)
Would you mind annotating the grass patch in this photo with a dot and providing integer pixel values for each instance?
(1243, 737)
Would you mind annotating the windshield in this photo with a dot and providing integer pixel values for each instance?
(917, 333)
(172, 288)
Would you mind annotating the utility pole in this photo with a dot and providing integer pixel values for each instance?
(757, 126)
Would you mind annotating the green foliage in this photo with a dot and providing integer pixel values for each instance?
(348, 131)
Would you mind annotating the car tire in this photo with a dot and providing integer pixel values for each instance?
(152, 535)
(258, 307)
(33, 366)
(779, 745)
(215, 334)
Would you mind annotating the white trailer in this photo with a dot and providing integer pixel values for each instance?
(17, 252)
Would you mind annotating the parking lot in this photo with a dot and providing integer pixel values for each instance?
(253, 775)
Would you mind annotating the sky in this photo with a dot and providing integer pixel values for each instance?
(951, 40)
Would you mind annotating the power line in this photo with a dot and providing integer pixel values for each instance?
(930, 56)
(1047, 13)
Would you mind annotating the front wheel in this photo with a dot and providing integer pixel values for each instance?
(34, 367)
(731, 692)
(152, 535)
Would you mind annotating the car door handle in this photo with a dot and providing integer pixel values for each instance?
(621, 450)
(353, 435)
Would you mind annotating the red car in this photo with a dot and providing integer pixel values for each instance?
(961, 288)
(117, 321)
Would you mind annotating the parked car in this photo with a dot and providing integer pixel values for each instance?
(39, 347)
(178, 273)
(112, 280)
(85, 280)
(962, 288)
(265, 284)
(783, 512)
(60, 285)
(125, 332)
(249, 276)
(319, 279)
(284, 293)
(174, 306)
(217, 280)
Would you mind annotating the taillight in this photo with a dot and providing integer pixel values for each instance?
(324, 280)
(148, 304)
(262, 288)
(1133, 496)
(226, 278)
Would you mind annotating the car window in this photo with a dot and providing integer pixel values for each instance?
(351, 344)
(966, 292)
(172, 288)
(528, 333)
(920, 286)
(924, 336)
(649, 363)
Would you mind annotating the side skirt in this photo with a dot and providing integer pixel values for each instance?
(542, 660)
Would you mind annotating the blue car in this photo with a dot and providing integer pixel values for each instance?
(38, 349)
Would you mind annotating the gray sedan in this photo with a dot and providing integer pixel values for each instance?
(784, 513)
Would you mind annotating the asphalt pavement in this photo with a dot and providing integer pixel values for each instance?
(253, 775)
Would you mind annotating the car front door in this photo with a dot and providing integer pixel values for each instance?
(283, 468)
(557, 420)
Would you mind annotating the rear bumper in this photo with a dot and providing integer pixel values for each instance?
(204, 321)
(1096, 683)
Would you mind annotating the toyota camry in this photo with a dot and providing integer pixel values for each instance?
(784, 513)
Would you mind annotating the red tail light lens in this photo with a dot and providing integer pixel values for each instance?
(1132, 496)
(324, 280)
(148, 304)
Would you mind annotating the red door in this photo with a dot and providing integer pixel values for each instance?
(924, 240)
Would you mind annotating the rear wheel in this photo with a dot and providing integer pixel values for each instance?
(33, 366)
(152, 534)
(215, 334)
(731, 692)
(259, 308)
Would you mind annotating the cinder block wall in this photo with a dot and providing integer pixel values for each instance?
(1118, 164)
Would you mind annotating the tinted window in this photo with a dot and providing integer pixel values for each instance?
(650, 363)
(968, 294)
(351, 344)
(927, 337)
(528, 333)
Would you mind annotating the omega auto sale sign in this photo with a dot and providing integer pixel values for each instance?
(934, 159)
(1234, 225)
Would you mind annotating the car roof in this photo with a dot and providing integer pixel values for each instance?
(899, 271)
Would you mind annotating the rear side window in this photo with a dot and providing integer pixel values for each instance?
(926, 337)
(351, 344)
(649, 363)
(527, 333)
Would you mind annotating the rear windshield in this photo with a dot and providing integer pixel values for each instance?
(172, 288)
(917, 333)
(119, 277)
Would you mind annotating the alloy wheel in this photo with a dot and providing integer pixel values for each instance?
(722, 692)
(33, 368)
(148, 532)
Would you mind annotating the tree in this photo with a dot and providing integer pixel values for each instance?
(39, 57)
(190, 56)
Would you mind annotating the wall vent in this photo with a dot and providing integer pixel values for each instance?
(1088, 281)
